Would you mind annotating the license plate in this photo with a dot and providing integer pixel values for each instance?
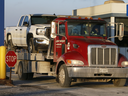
(102, 70)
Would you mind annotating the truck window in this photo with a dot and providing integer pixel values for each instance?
(82, 28)
(62, 29)
(41, 19)
(78, 29)
(26, 20)
(97, 29)
(21, 20)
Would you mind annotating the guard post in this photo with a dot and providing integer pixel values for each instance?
(2, 47)
(2, 63)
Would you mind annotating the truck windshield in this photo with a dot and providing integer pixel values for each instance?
(41, 19)
(87, 29)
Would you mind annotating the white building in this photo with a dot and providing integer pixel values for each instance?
(111, 11)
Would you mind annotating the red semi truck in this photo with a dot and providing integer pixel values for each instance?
(78, 50)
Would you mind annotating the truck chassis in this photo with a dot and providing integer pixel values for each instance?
(30, 63)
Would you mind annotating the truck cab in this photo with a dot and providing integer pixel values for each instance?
(82, 50)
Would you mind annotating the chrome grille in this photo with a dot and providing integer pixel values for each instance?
(99, 56)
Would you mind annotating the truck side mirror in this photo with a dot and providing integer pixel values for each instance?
(121, 31)
(53, 30)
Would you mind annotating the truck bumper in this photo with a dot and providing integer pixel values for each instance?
(85, 72)
(41, 43)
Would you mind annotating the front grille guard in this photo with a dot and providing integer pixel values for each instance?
(94, 59)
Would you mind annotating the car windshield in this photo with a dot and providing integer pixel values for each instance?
(41, 19)
(86, 28)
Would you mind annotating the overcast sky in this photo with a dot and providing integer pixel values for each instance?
(15, 8)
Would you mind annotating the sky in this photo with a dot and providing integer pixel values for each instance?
(15, 8)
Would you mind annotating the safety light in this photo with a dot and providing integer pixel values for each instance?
(75, 62)
(91, 18)
(99, 18)
(86, 18)
(79, 17)
(69, 61)
(69, 16)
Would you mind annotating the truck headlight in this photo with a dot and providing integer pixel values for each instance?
(124, 63)
(40, 31)
(75, 62)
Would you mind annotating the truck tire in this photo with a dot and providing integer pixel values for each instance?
(31, 47)
(64, 79)
(10, 45)
(119, 82)
(30, 76)
(21, 75)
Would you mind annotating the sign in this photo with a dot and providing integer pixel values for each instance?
(11, 59)
(127, 10)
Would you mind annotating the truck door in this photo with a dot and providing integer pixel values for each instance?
(24, 31)
(59, 42)
(17, 33)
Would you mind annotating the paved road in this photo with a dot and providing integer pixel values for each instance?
(47, 86)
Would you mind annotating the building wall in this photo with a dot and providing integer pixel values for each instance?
(101, 9)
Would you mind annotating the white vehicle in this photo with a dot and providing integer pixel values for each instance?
(32, 33)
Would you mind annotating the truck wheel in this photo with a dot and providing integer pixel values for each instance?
(10, 45)
(31, 47)
(119, 82)
(21, 75)
(30, 76)
(64, 79)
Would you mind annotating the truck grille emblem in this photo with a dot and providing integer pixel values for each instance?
(103, 46)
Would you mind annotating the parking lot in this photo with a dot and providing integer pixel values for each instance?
(47, 86)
